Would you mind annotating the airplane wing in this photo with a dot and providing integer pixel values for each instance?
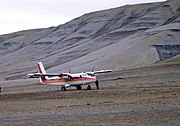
(62, 75)
(99, 72)
(102, 71)
(37, 75)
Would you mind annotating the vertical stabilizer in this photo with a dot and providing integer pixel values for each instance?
(41, 68)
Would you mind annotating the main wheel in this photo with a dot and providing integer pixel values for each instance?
(63, 88)
(88, 87)
(78, 87)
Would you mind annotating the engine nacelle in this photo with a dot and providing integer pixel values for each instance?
(91, 74)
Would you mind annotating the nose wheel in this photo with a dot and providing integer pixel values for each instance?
(63, 88)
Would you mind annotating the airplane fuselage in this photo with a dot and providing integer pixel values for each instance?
(75, 79)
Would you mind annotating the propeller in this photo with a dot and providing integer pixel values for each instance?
(97, 84)
(69, 70)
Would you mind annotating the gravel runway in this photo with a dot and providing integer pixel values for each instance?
(146, 96)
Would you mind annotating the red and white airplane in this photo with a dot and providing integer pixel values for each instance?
(67, 79)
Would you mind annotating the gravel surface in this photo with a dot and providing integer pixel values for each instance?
(147, 96)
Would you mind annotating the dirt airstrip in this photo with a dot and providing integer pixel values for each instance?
(146, 96)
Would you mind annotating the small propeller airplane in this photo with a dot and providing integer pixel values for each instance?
(65, 80)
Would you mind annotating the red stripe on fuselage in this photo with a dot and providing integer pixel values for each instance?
(59, 80)
(39, 68)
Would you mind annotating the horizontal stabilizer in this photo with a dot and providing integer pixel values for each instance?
(34, 75)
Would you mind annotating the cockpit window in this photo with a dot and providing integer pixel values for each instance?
(84, 74)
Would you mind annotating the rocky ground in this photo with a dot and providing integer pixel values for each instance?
(146, 96)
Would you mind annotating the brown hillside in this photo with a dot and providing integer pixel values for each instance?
(127, 37)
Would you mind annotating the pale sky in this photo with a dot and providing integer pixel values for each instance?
(16, 15)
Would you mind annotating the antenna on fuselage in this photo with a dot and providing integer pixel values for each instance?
(93, 69)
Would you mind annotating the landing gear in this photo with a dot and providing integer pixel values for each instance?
(78, 87)
(97, 84)
(63, 88)
(88, 87)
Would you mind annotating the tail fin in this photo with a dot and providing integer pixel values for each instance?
(41, 68)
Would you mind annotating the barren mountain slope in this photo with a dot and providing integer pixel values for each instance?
(121, 38)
